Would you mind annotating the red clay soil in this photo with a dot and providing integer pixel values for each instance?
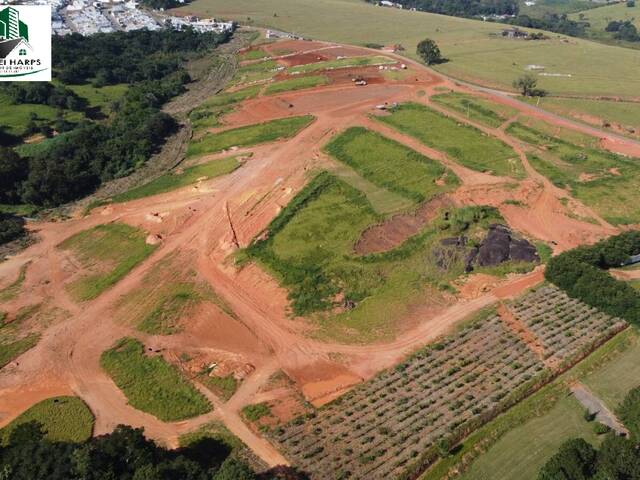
(395, 230)
(303, 59)
(520, 330)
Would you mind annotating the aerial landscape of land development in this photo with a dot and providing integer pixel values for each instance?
(325, 239)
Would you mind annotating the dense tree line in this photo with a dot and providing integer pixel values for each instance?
(124, 454)
(462, 8)
(552, 22)
(623, 30)
(11, 227)
(89, 153)
(618, 458)
(126, 57)
(581, 272)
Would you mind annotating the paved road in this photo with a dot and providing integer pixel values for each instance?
(594, 405)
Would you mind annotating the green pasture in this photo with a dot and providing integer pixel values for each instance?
(390, 165)
(463, 143)
(475, 108)
(102, 97)
(250, 135)
(475, 49)
(255, 72)
(348, 62)
(151, 384)
(293, 84)
(599, 18)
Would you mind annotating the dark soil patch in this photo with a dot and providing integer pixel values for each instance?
(395, 230)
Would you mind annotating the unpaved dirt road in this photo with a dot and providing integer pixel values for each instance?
(194, 223)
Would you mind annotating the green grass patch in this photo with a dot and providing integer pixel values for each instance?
(250, 135)
(151, 384)
(163, 319)
(209, 113)
(521, 452)
(255, 72)
(309, 248)
(63, 419)
(475, 108)
(11, 291)
(255, 412)
(11, 350)
(254, 55)
(296, 84)
(224, 387)
(102, 97)
(181, 178)
(15, 118)
(341, 63)
(466, 144)
(600, 179)
(109, 252)
(390, 165)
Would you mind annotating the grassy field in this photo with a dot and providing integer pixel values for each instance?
(599, 18)
(475, 52)
(521, 452)
(100, 98)
(391, 165)
(310, 250)
(595, 112)
(295, 84)
(11, 291)
(179, 179)
(475, 108)
(602, 180)
(341, 63)
(250, 135)
(151, 384)
(469, 146)
(256, 54)
(209, 113)
(15, 118)
(255, 72)
(108, 252)
(63, 419)
(11, 349)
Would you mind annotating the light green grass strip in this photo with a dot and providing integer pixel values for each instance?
(466, 144)
(341, 63)
(173, 181)
(250, 135)
(63, 419)
(11, 350)
(151, 384)
(116, 246)
(475, 109)
(296, 84)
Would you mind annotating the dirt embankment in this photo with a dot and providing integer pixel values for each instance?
(395, 230)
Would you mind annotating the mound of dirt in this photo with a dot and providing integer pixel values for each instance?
(395, 230)
(499, 246)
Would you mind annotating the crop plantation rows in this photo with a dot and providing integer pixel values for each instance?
(408, 415)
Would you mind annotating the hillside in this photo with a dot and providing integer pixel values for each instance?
(475, 55)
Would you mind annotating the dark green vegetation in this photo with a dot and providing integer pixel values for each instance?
(600, 179)
(293, 84)
(151, 384)
(309, 247)
(182, 178)
(249, 135)
(108, 252)
(123, 454)
(255, 412)
(475, 108)
(63, 419)
(429, 52)
(462, 8)
(581, 272)
(618, 458)
(463, 143)
(11, 227)
(406, 418)
(209, 113)
(94, 149)
(390, 165)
